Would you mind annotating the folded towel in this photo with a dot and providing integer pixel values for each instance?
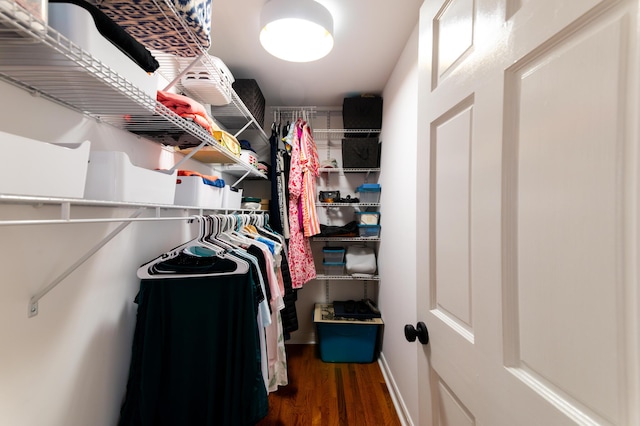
(188, 108)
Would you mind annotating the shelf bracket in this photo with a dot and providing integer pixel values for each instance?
(242, 178)
(184, 71)
(244, 128)
(189, 155)
(33, 302)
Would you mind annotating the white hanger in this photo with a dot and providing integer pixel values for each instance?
(242, 267)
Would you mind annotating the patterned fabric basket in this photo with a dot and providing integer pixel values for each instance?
(147, 23)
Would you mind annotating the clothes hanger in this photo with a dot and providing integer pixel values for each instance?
(197, 247)
(214, 233)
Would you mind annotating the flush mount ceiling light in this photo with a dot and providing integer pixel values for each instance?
(296, 30)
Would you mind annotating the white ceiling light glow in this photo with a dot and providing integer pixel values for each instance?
(296, 30)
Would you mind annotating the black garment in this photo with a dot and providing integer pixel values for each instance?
(259, 254)
(275, 218)
(196, 354)
(289, 314)
(118, 36)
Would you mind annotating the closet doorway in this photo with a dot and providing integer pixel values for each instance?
(528, 270)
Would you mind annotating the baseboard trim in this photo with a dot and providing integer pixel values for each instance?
(301, 339)
(396, 397)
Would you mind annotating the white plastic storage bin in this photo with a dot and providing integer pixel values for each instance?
(76, 23)
(42, 169)
(193, 191)
(112, 177)
(231, 198)
(249, 157)
(213, 84)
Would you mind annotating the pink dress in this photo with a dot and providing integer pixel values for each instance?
(302, 212)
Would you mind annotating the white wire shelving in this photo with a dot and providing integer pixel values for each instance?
(40, 60)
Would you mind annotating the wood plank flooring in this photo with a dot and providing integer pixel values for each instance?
(330, 394)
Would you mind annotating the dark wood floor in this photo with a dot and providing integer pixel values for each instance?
(330, 394)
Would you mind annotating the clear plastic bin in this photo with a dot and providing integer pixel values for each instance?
(369, 230)
(369, 193)
(368, 218)
(333, 254)
(333, 268)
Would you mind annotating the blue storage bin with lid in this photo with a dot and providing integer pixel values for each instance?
(334, 268)
(369, 192)
(333, 254)
(346, 340)
(369, 231)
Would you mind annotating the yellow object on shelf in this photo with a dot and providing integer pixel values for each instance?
(210, 154)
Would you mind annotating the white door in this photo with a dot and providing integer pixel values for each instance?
(529, 169)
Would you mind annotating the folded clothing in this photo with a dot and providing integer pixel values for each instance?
(187, 108)
(361, 309)
(207, 179)
(348, 230)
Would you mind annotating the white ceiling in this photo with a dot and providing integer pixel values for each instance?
(369, 37)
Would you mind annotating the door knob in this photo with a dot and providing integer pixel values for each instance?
(420, 331)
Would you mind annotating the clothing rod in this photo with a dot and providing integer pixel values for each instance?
(120, 219)
(32, 309)
(96, 220)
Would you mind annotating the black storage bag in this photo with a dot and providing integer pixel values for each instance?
(250, 93)
(251, 96)
(360, 153)
(362, 112)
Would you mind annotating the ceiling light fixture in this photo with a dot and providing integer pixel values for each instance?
(296, 30)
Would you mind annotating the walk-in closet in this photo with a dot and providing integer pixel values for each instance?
(430, 220)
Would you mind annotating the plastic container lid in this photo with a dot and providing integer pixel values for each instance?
(333, 249)
(368, 187)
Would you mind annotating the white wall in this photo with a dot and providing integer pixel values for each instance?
(399, 219)
(68, 365)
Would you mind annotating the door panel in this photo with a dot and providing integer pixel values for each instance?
(451, 284)
(453, 36)
(566, 206)
(529, 172)
(451, 410)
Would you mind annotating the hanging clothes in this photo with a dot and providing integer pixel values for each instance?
(268, 248)
(310, 163)
(275, 176)
(195, 353)
(209, 341)
(303, 220)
